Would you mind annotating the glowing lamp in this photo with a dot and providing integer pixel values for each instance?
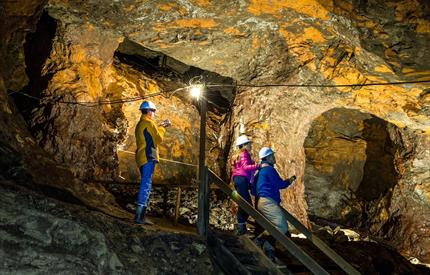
(196, 90)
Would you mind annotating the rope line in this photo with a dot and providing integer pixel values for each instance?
(163, 159)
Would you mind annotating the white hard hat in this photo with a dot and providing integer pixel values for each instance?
(242, 140)
(147, 105)
(265, 151)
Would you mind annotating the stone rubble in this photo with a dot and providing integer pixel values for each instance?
(221, 213)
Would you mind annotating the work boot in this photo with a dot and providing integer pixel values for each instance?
(241, 229)
(139, 218)
(272, 256)
(269, 250)
(259, 242)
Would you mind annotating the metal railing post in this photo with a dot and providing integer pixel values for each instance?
(203, 212)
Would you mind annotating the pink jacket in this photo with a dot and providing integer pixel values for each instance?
(245, 166)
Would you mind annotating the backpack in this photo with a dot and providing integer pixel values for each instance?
(254, 183)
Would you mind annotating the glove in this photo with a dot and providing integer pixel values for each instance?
(292, 179)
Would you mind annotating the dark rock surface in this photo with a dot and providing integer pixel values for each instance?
(42, 235)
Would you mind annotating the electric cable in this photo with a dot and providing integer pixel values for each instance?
(169, 94)
(319, 85)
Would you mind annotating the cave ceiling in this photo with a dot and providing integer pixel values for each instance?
(259, 42)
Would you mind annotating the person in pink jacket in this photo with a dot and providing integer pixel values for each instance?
(243, 172)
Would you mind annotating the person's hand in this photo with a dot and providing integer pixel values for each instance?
(293, 178)
(166, 123)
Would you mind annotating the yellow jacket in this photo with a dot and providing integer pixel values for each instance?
(148, 137)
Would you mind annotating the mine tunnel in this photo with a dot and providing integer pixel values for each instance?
(338, 92)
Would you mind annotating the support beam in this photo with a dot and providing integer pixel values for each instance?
(165, 199)
(203, 213)
(177, 205)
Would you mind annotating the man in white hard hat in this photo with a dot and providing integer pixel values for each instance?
(267, 184)
(148, 137)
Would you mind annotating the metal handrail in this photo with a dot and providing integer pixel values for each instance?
(281, 238)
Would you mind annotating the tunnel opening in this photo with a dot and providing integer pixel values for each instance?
(172, 74)
(351, 170)
(152, 72)
(37, 48)
(97, 142)
(160, 72)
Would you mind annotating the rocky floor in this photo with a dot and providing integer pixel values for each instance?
(222, 211)
(39, 235)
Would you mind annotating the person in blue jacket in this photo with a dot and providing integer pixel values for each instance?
(265, 188)
(267, 184)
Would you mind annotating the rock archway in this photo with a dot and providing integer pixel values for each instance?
(350, 168)
(359, 172)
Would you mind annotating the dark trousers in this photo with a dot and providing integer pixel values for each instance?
(241, 184)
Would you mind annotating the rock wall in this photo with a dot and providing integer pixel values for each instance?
(78, 125)
(78, 69)
(22, 161)
(349, 162)
(17, 20)
(181, 140)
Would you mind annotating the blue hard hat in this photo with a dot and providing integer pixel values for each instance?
(147, 105)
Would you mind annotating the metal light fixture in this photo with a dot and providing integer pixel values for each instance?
(196, 90)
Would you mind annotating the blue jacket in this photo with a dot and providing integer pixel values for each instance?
(268, 182)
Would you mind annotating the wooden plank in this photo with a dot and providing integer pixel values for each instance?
(177, 205)
(203, 203)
